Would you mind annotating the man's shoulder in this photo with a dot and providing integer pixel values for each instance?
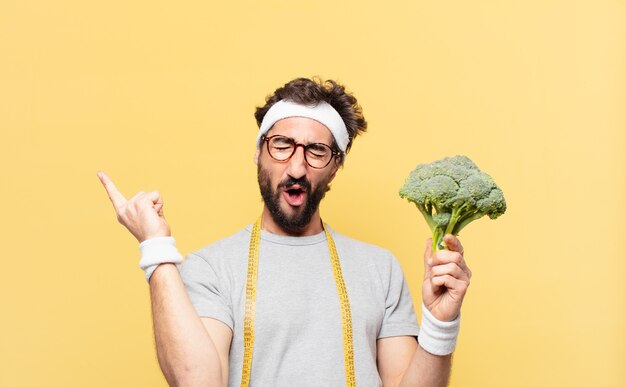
(215, 260)
(363, 257)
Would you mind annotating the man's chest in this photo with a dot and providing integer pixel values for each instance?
(297, 298)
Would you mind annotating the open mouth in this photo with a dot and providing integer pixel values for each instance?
(295, 196)
(295, 191)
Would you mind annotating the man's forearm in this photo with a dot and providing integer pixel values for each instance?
(427, 370)
(186, 353)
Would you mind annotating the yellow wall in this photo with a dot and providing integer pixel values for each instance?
(160, 95)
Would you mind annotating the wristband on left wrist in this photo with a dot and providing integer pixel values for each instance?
(438, 337)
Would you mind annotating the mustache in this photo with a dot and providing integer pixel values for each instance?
(302, 182)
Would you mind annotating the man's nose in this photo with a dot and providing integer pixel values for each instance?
(297, 163)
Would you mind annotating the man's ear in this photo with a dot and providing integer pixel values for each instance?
(332, 176)
(335, 169)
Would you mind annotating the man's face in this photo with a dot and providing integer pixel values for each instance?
(292, 189)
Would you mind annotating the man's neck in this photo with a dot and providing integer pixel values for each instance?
(314, 227)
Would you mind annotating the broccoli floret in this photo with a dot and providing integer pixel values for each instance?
(451, 193)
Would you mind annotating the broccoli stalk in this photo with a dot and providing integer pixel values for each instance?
(451, 193)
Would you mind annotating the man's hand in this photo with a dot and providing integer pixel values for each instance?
(142, 214)
(446, 279)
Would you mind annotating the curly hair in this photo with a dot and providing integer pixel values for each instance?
(310, 91)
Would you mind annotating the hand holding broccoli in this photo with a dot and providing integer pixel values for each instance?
(446, 279)
(450, 193)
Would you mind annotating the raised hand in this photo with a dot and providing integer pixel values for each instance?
(142, 214)
(446, 279)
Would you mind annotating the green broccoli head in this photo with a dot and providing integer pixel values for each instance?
(451, 193)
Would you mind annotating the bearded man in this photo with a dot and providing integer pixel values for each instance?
(288, 301)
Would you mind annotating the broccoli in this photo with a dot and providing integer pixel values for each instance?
(451, 193)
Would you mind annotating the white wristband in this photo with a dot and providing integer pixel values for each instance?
(438, 337)
(157, 250)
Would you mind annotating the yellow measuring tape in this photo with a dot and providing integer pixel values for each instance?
(248, 321)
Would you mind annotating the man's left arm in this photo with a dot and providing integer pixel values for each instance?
(402, 361)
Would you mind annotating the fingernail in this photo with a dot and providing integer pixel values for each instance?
(429, 261)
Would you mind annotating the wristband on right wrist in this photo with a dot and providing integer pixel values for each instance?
(158, 250)
(438, 337)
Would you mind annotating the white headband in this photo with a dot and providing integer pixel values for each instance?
(322, 112)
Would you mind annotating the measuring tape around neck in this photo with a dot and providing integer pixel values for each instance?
(248, 321)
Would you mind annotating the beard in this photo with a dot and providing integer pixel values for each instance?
(302, 216)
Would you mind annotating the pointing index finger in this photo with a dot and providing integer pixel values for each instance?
(116, 197)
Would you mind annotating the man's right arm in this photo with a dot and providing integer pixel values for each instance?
(192, 351)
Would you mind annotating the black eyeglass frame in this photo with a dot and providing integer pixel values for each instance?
(333, 153)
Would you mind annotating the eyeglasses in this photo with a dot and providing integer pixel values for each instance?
(317, 155)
